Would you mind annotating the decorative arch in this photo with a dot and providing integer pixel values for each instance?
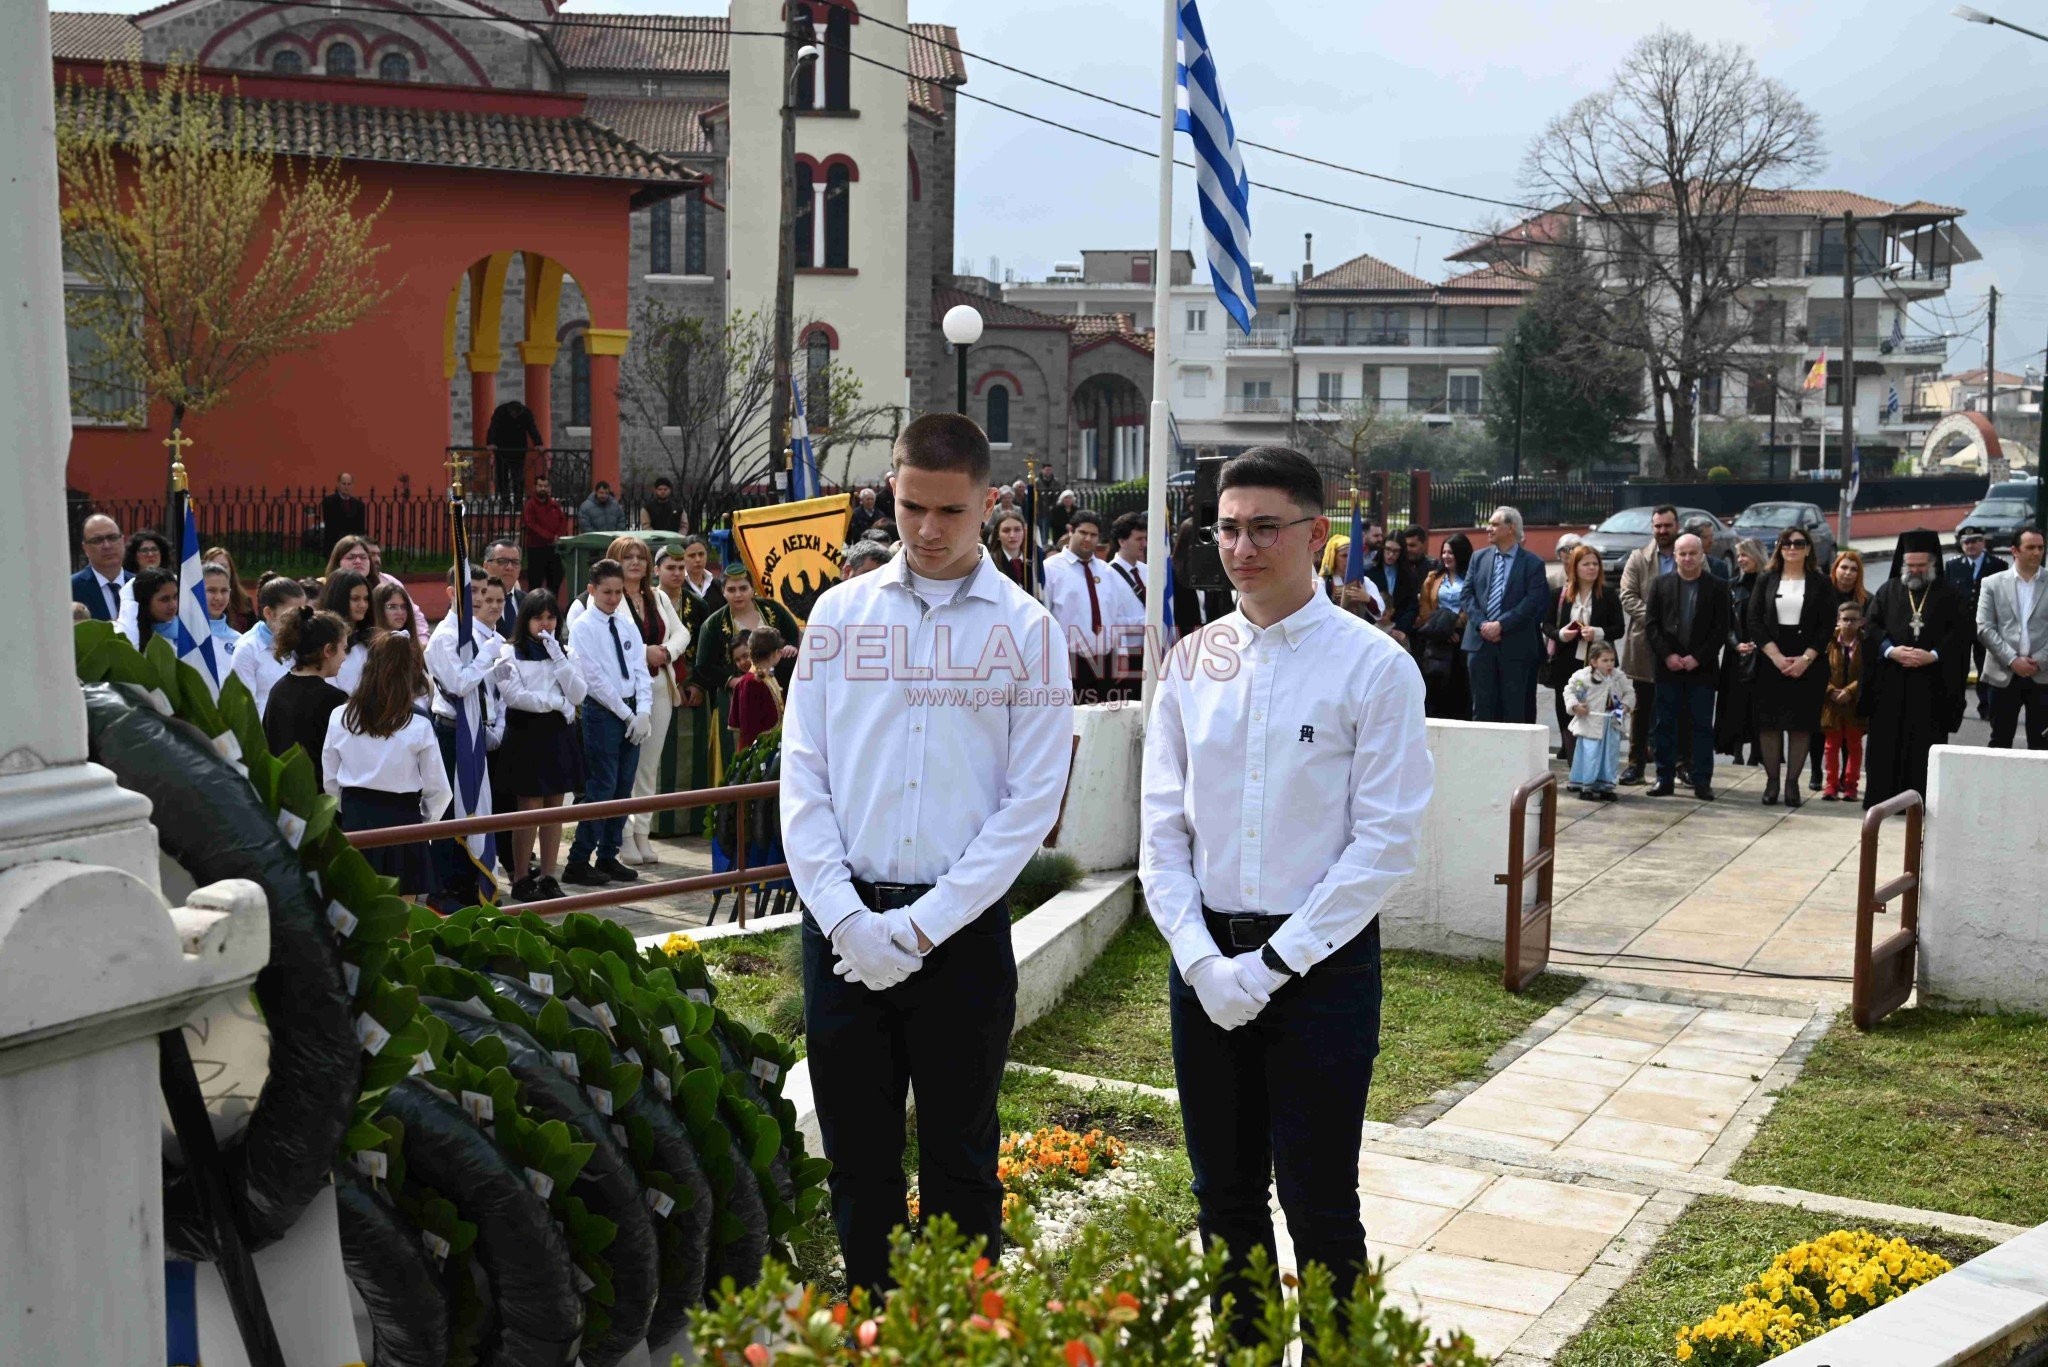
(837, 159)
(831, 334)
(1974, 428)
(404, 44)
(277, 42)
(398, 8)
(916, 178)
(1016, 385)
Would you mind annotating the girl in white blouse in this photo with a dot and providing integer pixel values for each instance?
(257, 661)
(347, 596)
(381, 759)
(541, 759)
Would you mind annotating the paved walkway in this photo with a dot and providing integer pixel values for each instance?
(681, 857)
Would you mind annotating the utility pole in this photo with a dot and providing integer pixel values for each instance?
(1991, 361)
(1848, 375)
(793, 56)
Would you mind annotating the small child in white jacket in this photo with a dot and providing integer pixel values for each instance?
(1599, 698)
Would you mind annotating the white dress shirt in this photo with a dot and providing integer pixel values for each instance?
(551, 685)
(451, 675)
(110, 589)
(2023, 591)
(923, 745)
(626, 693)
(255, 662)
(1286, 773)
(1066, 597)
(352, 662)
(406, 761)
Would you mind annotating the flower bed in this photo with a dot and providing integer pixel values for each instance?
(1807, 1290)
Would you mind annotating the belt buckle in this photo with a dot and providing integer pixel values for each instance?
(1250, 927)
(890, 894)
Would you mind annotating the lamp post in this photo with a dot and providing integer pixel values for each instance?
(1977, 16)
(962, 326)
(799, 54)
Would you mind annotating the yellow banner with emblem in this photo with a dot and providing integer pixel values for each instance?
(792, 549)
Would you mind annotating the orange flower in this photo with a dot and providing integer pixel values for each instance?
(1078, 1354)
(1127, 1300)
(992, 1304)
(839, 1315)
(758, 1354)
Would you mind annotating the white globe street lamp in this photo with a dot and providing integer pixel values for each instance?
(962, 326)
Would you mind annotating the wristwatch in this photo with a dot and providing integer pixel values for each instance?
(1274, 961)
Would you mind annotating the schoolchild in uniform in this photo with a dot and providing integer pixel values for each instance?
(304, 700)
(541, 761)
(381, 760)
(257, 661)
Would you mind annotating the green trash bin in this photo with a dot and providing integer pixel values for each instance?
(584, 549)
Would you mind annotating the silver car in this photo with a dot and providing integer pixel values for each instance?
(1629, 530)
(1765, 521)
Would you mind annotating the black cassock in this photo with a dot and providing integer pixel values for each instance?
(1910, 711)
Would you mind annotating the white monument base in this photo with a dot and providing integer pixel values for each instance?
(1983, 922)
(305, 1289)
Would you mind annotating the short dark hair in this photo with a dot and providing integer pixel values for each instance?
(764, 644)
(1125, 524)
(1663, 508)
(1080, 515)
(606, 569)
(664, 482)
(2027, 529)
(1407, 532)
(1275, 467)
(508, 542)
(944, 441)
(605, 485)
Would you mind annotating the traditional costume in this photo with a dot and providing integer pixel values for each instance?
(1909, 711)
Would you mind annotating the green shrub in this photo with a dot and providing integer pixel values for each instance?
(1720, 474)
(1145, 1308)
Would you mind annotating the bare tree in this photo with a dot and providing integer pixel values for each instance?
(1350, 440)
(702, 387)
(1666, 171)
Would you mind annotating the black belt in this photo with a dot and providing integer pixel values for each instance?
(889, 896)
(1240, 930)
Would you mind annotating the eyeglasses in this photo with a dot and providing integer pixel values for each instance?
(105, 539)
(1262, 534)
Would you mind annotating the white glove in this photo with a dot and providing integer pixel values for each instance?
(876, 949)
(548, 641)
(1258, 978)
(1222, 993)
(640, 728)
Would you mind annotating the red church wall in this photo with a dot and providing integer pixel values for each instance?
(374, 400)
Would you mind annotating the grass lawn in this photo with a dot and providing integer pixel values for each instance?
(1932, 1109)
(1441, 1019)
(1702, 1262)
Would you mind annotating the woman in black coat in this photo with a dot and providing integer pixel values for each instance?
(1735, 713)
(1586, 611)
(1791, 616)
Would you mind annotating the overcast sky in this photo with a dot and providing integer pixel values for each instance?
(1913, 104)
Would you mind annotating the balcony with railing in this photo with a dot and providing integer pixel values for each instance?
(1417, 406)
(1258, 339)
(1361, 335)
(1257, 405)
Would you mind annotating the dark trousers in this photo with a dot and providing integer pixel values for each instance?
(544, 570)
(942, 1035)
(1642, 723)
(1282, 1100)
(1681, 701)
(511, 475)
(2006, 703)
(609, 760)
(1503, 687)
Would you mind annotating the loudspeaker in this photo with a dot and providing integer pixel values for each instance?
(1198, 563)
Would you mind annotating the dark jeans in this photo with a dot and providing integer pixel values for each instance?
(1282, 1099)
(1681, 701)
(2005, 708)
(609, 760)
(544, 570)
(1503, 687)
(512, 475)
(942, 1034)
(1642, 723)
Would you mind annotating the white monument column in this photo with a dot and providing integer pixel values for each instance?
(92, 964)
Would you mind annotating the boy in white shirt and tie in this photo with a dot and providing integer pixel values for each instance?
(605, 644)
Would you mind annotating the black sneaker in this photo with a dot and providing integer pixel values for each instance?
(1663, 789)
(611, 868)
(1704, 792)
(1631, 776)
(549, 889)
(526, 889)
(584, 876)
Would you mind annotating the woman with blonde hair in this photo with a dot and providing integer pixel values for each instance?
(1586, 613)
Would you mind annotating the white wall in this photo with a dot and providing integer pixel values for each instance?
(1452, 905)
(1099, 826)
(1983, 923)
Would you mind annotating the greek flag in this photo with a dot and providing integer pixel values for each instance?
(1354, 554)
(1220, 180)
(803, 463)
(472, 777)
(1891, 401)
(192, 633)
(1898, 330)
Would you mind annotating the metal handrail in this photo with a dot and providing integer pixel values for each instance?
(1527, 952)
(739, 877)
(1884, 974)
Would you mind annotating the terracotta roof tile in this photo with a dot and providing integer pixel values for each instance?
(1365, 273)
(935, 60)
(537, 144)
(1090, 328)
(94, 38)
(672, 126)
(995, 313)
(688, 43)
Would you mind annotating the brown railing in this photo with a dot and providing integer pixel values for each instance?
(1528, 937)
(1885, 972)
(738, 878)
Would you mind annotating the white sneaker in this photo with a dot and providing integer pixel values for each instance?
(650, 854)
(629, 850)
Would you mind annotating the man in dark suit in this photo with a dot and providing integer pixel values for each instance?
(1690, 616)
(1967, 573)
(1504, 625)
(341, 513)
(98, 585)
(501, 562)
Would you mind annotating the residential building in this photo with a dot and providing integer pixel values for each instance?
(1964, 393)
(1793, 254)
(874, 179)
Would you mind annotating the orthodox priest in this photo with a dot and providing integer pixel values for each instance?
(1917, 644)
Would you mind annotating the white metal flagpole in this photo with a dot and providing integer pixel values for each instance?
(1158, 534)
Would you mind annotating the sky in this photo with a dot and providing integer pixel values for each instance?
(1912, 103)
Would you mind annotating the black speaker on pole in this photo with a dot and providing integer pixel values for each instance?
(1198, 563)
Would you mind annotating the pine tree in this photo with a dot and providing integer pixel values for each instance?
(1576, 393)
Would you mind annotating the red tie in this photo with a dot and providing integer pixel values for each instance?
(1094, 603)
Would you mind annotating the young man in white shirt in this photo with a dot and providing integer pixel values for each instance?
(1286, 773)
(908, 807)
(460, 879)
(1078, 594)
(1127, 569)
(605, 644)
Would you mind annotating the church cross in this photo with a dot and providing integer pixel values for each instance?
(177, 442)
(458, 468)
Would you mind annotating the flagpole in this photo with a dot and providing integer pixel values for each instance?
(1158, 534)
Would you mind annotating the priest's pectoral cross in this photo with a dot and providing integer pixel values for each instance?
(1916, 622)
